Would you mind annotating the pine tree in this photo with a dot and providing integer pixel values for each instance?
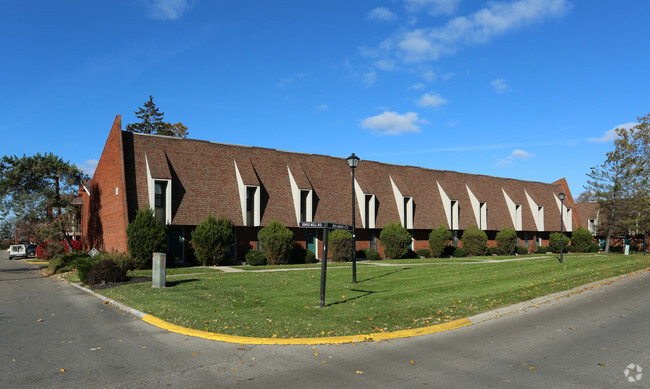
(152, 119)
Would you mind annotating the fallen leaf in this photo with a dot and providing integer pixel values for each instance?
(602, 364)
(193, 353)
(413, 362)
(40, 320)
(62, 369)
(532, 368)
(359, 372)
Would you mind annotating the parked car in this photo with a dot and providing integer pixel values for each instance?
(17, 251)
(30, 249)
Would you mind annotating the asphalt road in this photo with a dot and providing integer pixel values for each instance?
(53, 335)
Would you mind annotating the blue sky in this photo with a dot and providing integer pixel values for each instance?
(527, 89)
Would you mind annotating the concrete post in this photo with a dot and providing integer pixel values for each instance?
(159, 271)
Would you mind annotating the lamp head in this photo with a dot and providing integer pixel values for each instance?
(353, 161)
(561, 196)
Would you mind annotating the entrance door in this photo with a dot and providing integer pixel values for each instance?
(310, 240)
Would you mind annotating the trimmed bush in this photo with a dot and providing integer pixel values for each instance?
(310, 257)
(507, 240)
(49, 249)
(532, 247)
(521, 250)
(554, 242)
(438, 240)
(474, 241)
(424, 253)
(396, 240)
(339, 246)
(255, 258)
(459, 252)
(448, 252)
(123, 260)
(581, 239)
(145, 236)
(277, 241)
(106, 271)
(212, 239)
(493, 251)
(297, 254)
(371, 255)
(83, 266)
(65, 262)
(594, 247)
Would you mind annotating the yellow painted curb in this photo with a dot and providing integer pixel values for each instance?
(306, 341)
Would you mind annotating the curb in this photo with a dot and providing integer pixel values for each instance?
(481, 318)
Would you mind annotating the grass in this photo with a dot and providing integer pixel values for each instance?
(285, 304)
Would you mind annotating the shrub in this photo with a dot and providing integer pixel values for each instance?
(49, 249)
(396, 240)
(424, 253)
(310, 257)
(474, 241)
(340, 246)
(107, 271)
(123, 260)
(521, 250)
(277, 241)
(438, 239)
(297, 254)
(76, 246)
(594, 247)
(459, 252)
(532, 247)
(616, 249)
(493, 251)
(507, 240)
(255, 258)
(83, 266)
(448, 252)
(371, 255)
(145, 236)
(65, 262)
(554, 242)
(212, 239)
(581, 239)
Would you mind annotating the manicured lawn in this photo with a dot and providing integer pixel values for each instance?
(285, 304)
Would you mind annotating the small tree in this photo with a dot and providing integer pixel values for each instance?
(554, 242)
(474, 241)
(396, 240)
(152, 122)
(146, 235)
(340, 246)
(438, 240)
(507, 240)
(581, 239)
(211, 240)
(277, 241)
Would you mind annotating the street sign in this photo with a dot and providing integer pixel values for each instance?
(335, 226)
(329, 226)
(93, 252)
(312, 224)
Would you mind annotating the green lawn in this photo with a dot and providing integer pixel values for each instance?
(285, 304)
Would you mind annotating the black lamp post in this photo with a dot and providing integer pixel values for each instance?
(561, 196)
(645, 231)
(353, 161)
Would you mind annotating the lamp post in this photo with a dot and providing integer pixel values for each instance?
(353, 161)
(561, 196)
(645, 231)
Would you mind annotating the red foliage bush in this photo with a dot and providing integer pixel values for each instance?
(48, 249)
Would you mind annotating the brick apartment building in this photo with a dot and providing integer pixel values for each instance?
(184, 180)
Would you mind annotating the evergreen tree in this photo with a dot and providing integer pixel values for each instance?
(152, 119)
(152, 122)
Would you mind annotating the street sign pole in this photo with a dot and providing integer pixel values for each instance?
(323, 269)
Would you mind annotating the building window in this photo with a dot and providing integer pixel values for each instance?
(592, 226)
(161, 201)
(518, 217)
(306, 205)
(251, 191)
(455, 215)
(408, 212)
(482, 216)
(370, 211)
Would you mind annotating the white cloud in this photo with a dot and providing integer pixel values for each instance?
(386, 65)
(610, 135)
(417, 86)
(480, 27)
(429, 75)
(89, 166)
(432, 100)
(499, 85)
(521, 154)
(392, 123)
(322, 107)
(168, 9)
(381, 14)
(433, 7)
(369, 78)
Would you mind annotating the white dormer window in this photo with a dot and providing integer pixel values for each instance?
(252, 206)
(518, 220)
(306, 205)
(455, 214)
(370, 211)
(408, 212)
(160, 200)
(482, 221)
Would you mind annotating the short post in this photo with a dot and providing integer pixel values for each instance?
(159, 271)
(323, 269)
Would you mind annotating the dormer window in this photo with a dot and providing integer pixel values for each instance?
(161, 203)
